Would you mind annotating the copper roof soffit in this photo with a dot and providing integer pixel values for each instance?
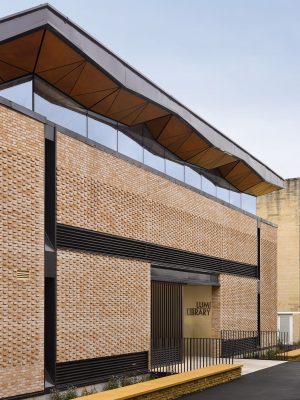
(122, 93)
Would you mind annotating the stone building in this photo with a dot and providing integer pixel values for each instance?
(122, 212)
(283, 208)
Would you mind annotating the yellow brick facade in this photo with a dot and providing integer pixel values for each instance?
(96, 190)
(102, 192)
(103, 306)
(268, 278)
(100, 189)
(22, 248)
(234, 304)
(103, 303)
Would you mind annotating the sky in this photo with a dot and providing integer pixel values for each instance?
(236, 63)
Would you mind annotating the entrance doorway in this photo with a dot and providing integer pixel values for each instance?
(285, 326)
(179, 310)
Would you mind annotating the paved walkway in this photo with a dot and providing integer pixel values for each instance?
(281, 382)
(252, 365)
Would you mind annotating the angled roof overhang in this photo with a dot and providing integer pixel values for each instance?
(43, 42)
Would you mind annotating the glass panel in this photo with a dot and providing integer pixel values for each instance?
(192, 178)
(249, 203)
(223, 194)
(129, 147)
(20, 94)
(62, 116)
(154, 161)
(235, 198)
(102, 133)
(175, 170)
(208, 186)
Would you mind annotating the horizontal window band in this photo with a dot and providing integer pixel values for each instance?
(74, 238)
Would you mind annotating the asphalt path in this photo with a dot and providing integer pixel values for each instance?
(281, 382)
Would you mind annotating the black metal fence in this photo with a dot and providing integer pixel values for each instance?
(170, 355)
(176, 355)
(267, 345)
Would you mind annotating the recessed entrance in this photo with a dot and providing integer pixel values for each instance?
(179, 310)
(181, 325)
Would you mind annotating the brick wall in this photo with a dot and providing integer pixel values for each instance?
(234, 304)
(22, 248)
(102, 192)
(103, 306)
(268, 278)
(99, 191)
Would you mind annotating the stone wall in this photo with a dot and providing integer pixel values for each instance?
(283, 208)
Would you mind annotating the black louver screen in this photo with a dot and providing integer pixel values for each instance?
(82, 239)
(96, 370)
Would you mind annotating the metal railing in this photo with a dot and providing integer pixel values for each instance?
(173, 356)
(267, 345)
(177, 355)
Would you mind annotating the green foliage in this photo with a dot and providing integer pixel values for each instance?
(272, 353)
(280, 345)
(126, 380)
(113, 383)
(55, 394)
(87, 392)
(252, 355)
(70, 393)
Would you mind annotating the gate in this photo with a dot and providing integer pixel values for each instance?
(166, 322)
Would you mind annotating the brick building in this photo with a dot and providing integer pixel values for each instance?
(283, 208)
(121, 212)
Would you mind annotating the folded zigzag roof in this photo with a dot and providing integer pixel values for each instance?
(43, 42)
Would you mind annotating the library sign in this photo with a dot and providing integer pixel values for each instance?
(202, 308)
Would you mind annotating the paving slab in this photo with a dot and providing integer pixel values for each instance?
(280, 382)
(252, 365)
